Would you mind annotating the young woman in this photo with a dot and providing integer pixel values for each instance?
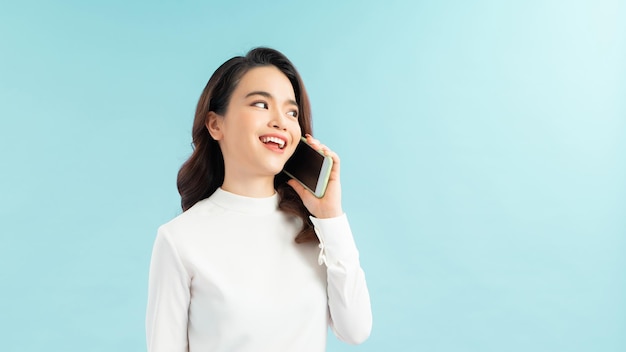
(255, 262)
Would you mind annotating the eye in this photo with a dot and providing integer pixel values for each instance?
(260, 104)
(293, 113)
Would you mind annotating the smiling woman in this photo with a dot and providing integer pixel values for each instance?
(241, 269)
(255, 122)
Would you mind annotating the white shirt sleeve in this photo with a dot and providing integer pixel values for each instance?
(168, 298)
(348, 296)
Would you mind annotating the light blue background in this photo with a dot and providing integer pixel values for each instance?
(482, 147)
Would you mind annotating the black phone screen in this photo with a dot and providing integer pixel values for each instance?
(305, 164)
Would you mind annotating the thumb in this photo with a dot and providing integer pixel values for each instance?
(300, 190)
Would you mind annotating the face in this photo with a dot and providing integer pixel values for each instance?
(260, 128)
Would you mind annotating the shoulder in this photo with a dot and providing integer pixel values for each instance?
(195, 219)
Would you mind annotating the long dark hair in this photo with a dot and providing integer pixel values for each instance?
(203, 172)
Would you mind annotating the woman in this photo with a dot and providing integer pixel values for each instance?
(255, 262)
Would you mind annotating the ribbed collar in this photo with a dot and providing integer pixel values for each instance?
(244, 204)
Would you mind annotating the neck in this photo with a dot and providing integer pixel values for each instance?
(255, 187)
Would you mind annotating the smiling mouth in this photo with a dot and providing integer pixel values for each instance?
(278, 141)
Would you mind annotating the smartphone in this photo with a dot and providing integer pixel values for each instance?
(310, 168)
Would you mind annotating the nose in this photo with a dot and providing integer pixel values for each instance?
(278, 120)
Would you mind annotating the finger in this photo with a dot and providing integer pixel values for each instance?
(334, 172)
(317, 145)
(335, 157)
(313, 142)
(328, 152)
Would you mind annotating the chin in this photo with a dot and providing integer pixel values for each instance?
(275, 169)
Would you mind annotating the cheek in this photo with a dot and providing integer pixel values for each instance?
(296, 134)
(291, 151)
(296, 128)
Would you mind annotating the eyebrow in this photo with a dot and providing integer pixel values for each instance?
(269, 96)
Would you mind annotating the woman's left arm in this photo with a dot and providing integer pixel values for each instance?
(348, 296)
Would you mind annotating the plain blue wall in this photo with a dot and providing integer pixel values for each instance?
(483, 149)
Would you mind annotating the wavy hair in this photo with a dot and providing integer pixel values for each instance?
(201, 175)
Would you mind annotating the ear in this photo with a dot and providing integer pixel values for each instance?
(214, 125)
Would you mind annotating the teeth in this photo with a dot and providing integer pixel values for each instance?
(280, 142)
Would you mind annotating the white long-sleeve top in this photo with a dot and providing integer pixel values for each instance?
(227, 275)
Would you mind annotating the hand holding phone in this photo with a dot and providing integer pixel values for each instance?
(310, 167)
(329, 205)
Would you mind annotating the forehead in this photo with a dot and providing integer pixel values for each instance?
(265, 79)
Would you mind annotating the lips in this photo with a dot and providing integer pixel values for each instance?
(279, 141)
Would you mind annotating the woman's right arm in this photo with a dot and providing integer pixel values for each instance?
(168, 298)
